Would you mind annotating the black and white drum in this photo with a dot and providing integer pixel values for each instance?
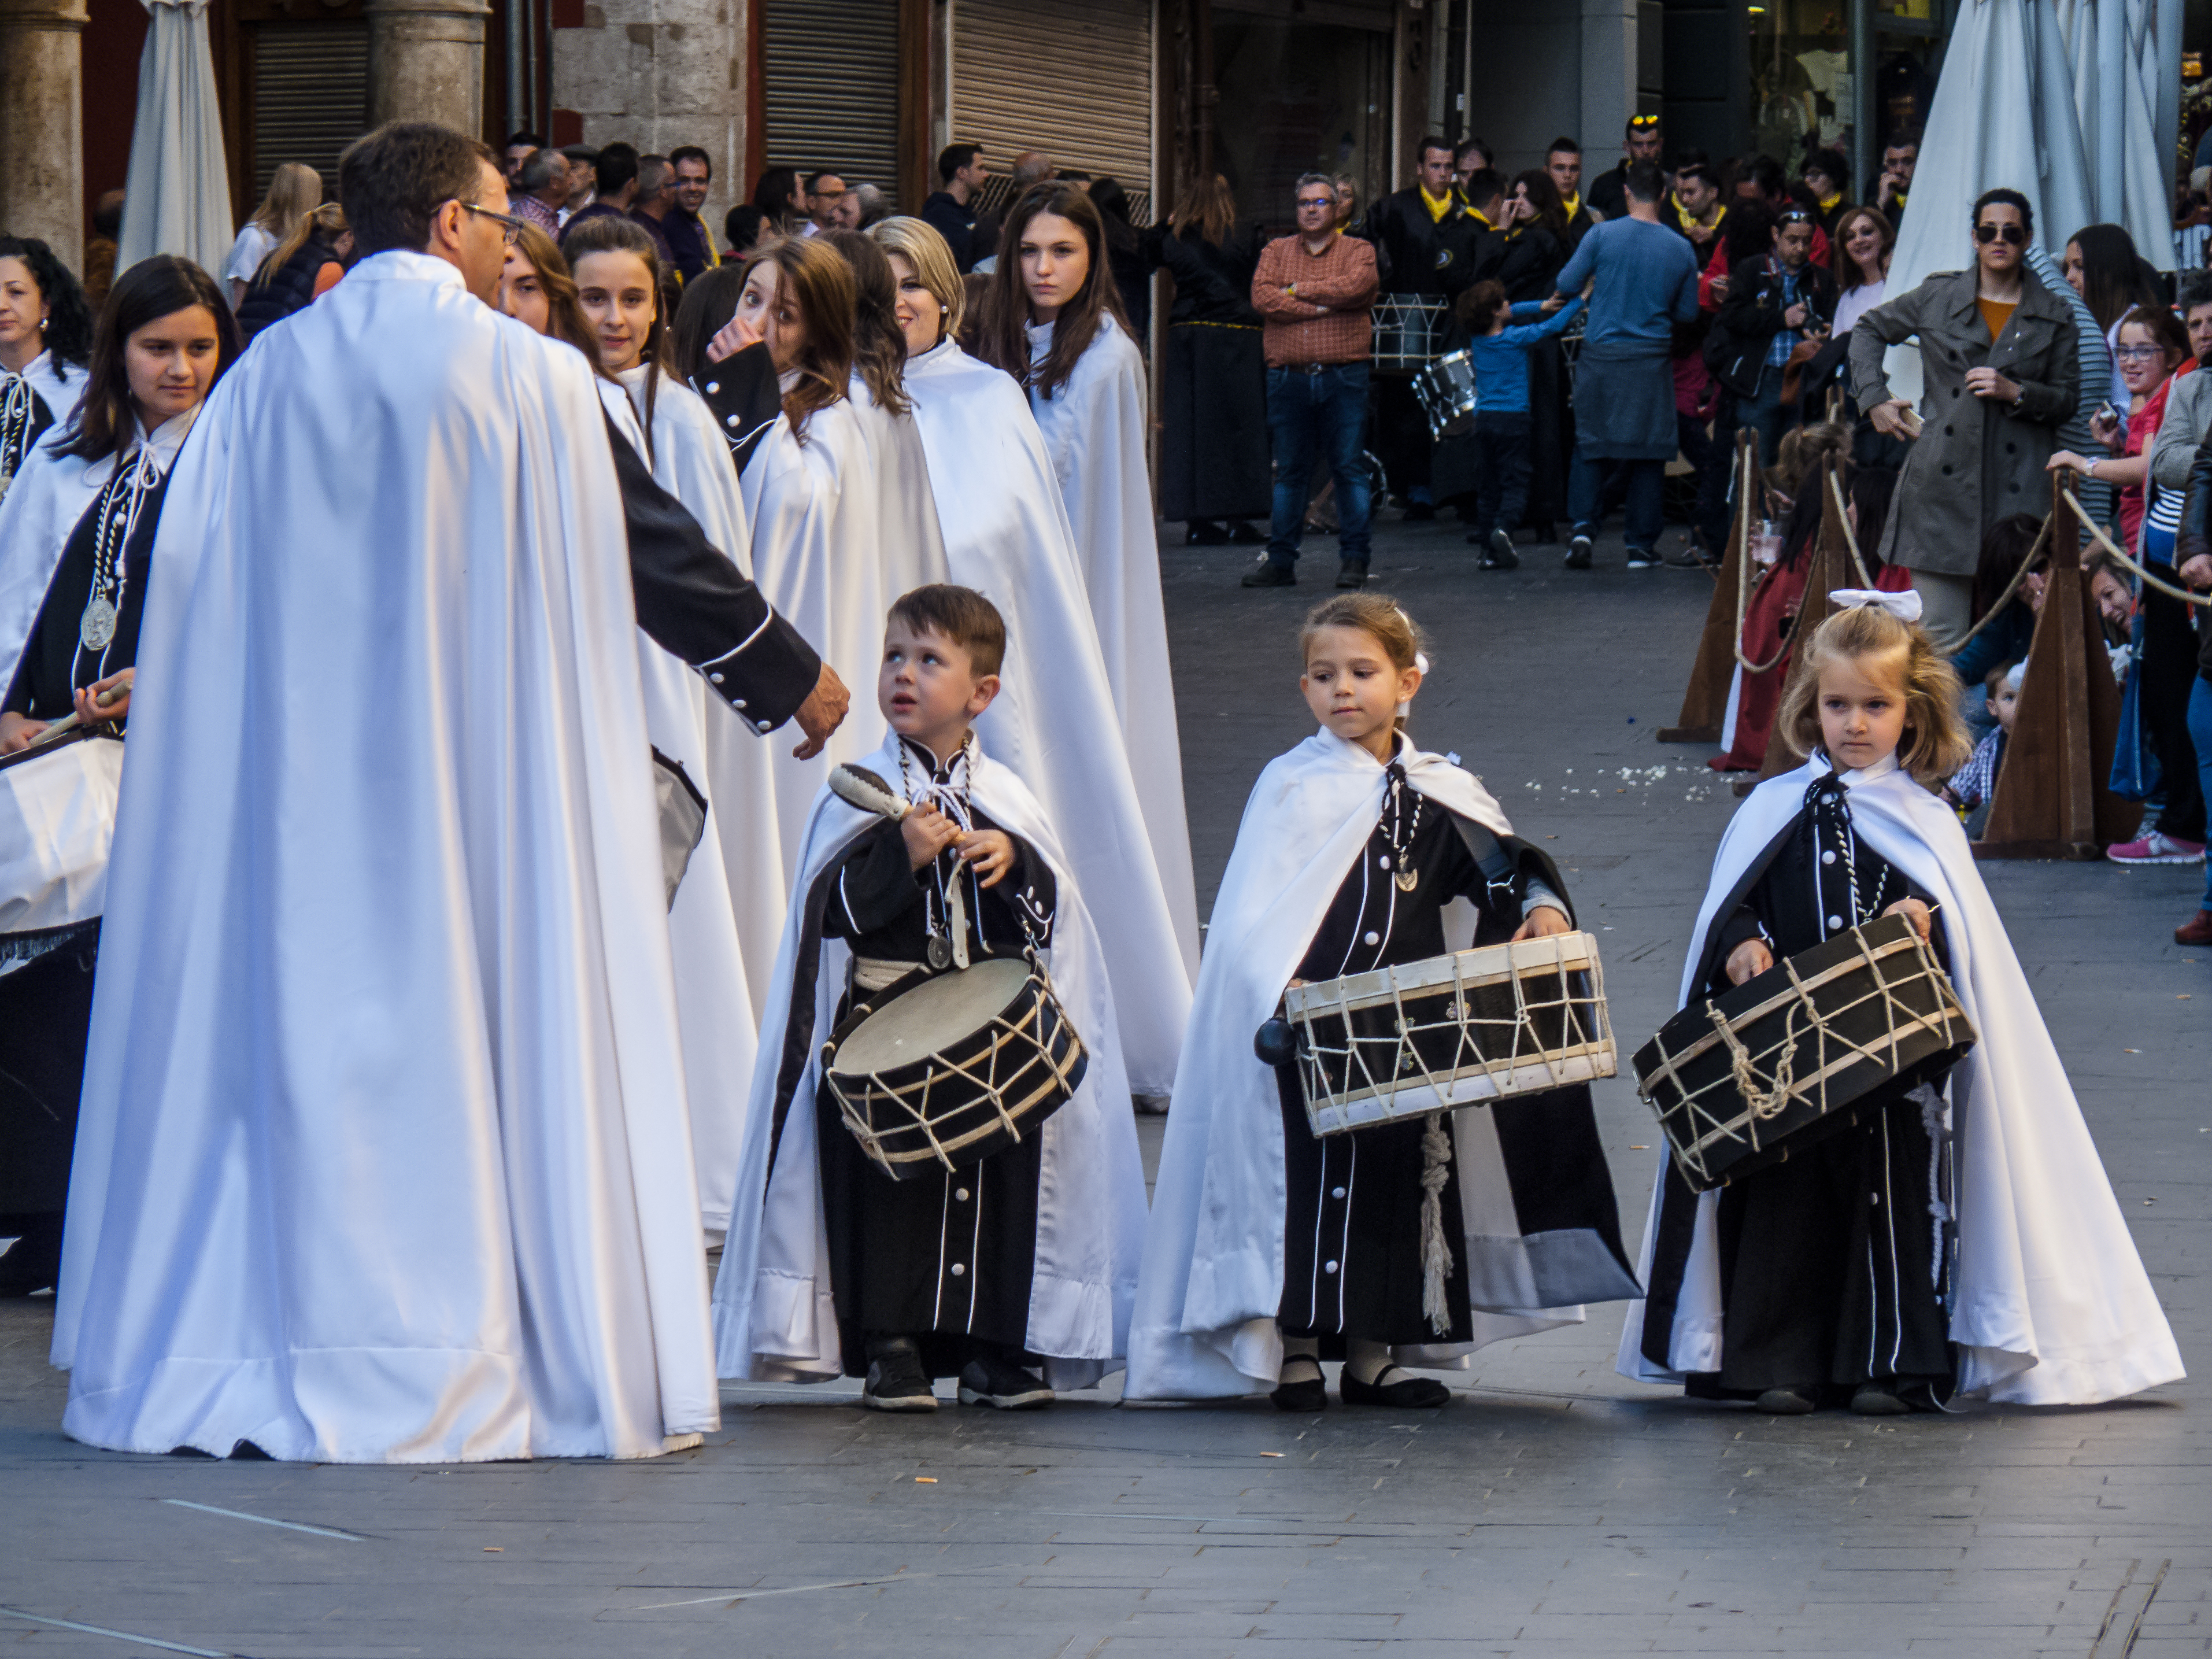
(944, 1074)
(1782, 1060)
(57, 825)
(1408, 330)
(1457, 1030)
(1446, 389)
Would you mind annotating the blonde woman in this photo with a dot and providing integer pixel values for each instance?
(1006, 535)
(296, 191)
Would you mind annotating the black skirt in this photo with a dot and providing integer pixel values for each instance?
(1215, 451)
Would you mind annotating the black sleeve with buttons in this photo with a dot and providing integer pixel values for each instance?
(743, 393)
(695, 602)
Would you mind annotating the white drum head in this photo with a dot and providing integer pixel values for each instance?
(933, 1016)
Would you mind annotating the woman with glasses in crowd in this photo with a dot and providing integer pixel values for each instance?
(2000, 373)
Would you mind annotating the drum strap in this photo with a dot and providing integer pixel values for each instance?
(877, 974)
(1489, 854)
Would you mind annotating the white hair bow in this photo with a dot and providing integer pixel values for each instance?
(1905, 606)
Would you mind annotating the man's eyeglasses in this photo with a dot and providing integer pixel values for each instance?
(1317, 201)
(510, 226)
(2014, 235)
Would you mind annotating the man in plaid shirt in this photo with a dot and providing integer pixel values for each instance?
(1314, 292)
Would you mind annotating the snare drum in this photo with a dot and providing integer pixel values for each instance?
(947, 1073)
(57, 824)
(1780, 1060)
(1455, 1030)
(1408, 329)
(1446, 389)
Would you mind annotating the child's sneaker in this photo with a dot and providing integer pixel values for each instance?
(2153, 847)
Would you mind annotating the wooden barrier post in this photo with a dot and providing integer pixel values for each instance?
(2051, 801)
(1704, 703)
(1830, 569)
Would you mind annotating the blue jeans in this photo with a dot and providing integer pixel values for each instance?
(1763, 414)
(1647, 508)
(2200, 730)
(1323, 412)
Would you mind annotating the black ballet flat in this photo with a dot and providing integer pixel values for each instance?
(1407, 1393)
(1306, 1394)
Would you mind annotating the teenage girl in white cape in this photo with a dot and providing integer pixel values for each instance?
(2024, 1267)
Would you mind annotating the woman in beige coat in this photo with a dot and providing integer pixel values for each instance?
(1999, 368)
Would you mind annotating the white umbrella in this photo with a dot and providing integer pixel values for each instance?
(178, 197)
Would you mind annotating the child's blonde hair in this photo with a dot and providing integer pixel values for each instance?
(1935, 743)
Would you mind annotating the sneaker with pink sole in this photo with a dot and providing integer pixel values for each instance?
(2154, 848)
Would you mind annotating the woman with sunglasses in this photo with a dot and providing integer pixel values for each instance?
(1999, 373)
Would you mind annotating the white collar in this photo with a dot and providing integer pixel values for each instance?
(160, 446)
(942, 352)
(633, 377)
(41, 367)
(1881, 769)
(407, 265)
(1040, 336)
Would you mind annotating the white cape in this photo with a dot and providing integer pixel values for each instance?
(1054, 722)
(1212, 1282)
(828, 552)
(714, 1001)
(774, 1315)
(2049, 1305)
(383, 1153)
(1094, 429)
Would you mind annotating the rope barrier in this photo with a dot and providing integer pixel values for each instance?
(1844, 517)
(2012, 586)
(2113, 548)
(1743, 573)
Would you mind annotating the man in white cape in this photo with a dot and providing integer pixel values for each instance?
(2049, 1305)
(775, 1303)
(383, 1153)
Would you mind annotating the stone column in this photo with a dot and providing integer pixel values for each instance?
(426, 61)
(41, 140)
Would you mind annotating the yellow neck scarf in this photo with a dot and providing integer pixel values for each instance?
(1573, 203)
(1437, 205)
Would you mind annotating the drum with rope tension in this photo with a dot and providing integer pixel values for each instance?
(1408, 332)
(57, 824)
(1784, 1059)
(1455, 1030)
(943, 1074)
(1446, 389)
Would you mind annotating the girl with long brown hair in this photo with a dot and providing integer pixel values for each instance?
(1055, 324)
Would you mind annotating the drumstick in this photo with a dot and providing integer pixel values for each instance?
(856, 786)
(69, 722)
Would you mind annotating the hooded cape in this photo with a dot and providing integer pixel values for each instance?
(1095, 428)
(1212, 1282)
(383, 1154)
(2049, 1305)
(1053, 722)
(774, 1312)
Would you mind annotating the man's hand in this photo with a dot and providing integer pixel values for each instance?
(823, 711)
(1894, 419)
(104, 700)
(991, 853)
(1794, 317)
(927, 833)
(2197, 571)
(1719, 286)
(1542, 922)
(1986, 382)
(735, 336)
(19, 732)
(1749, 960)
(1914, 911)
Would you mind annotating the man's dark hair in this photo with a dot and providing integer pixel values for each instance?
(392, 181)
(1474, 147)
(1563, 143)
(653, 172)
(960, 615)
(1638, 124)
(1764, 171)
(2001, 196)
(684, 152)
(1484, 186)
(814, 180)
(1644, 182)
(524, 136)
(583, 152)
(1696, 170)
(1433, 141)
(1832, 162)
(618, 166)
(953, 157)
(107, 214)
(1910, 141)
(535, 172)
(2195, 290)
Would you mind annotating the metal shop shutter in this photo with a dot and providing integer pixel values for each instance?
(1073, 79)
(310, 96)
(829, 80)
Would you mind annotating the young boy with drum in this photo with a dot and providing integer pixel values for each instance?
(986, 1267)
(1856, 1271)
(1412, 1242)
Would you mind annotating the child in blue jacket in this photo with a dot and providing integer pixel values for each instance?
(1503, 332)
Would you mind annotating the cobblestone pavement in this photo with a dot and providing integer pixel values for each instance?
(1553, 1509)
